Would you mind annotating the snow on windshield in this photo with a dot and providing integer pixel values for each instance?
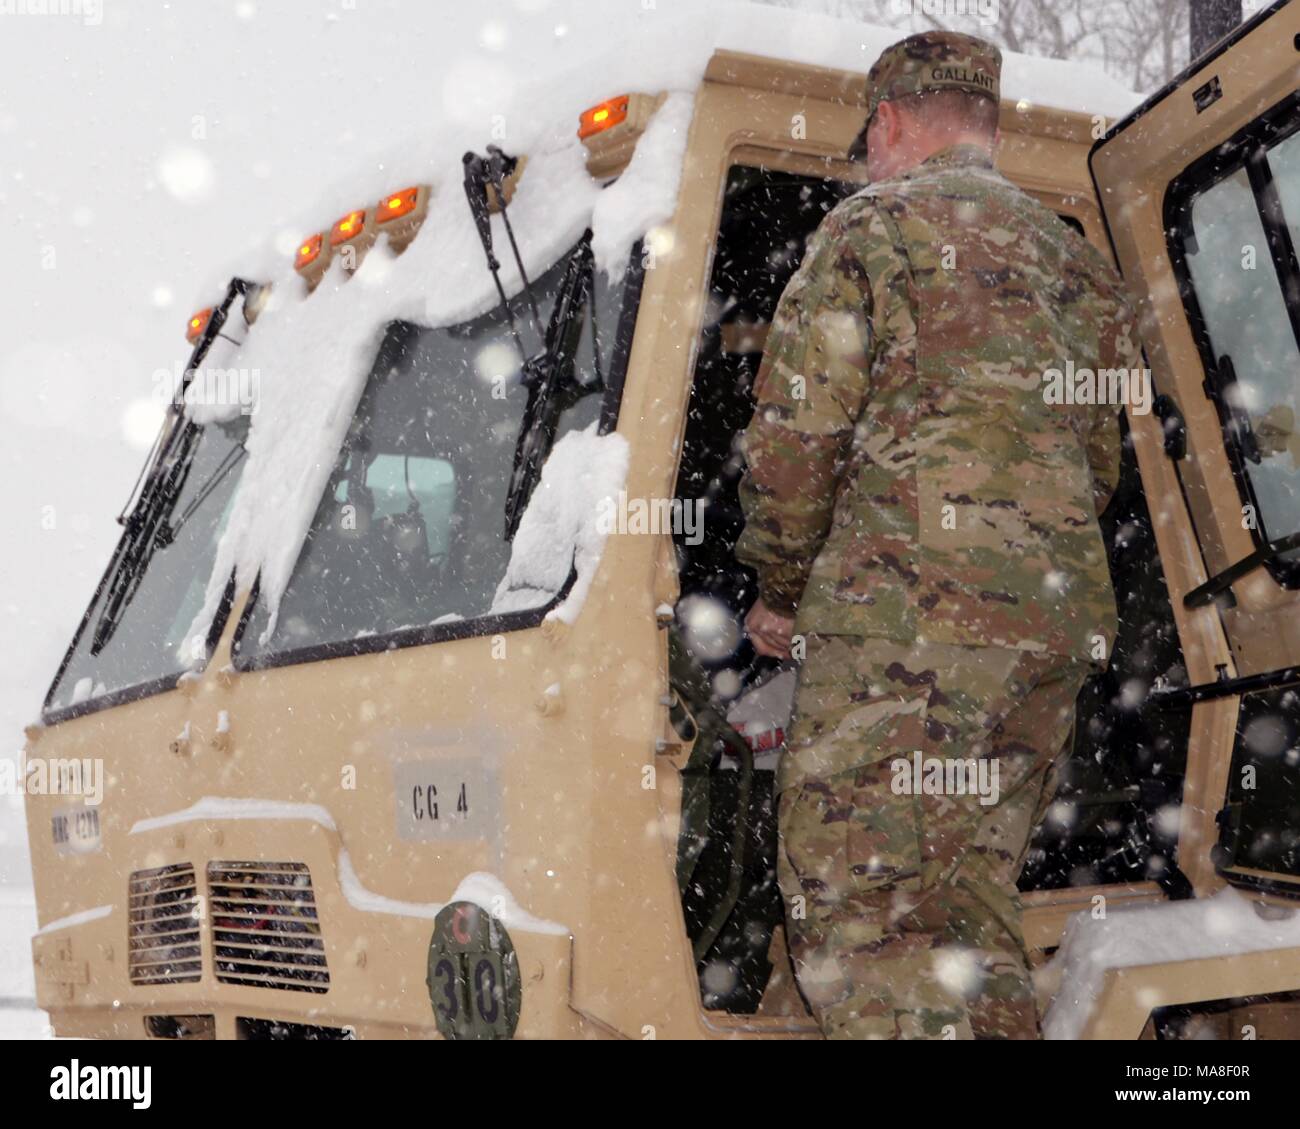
(560, 529)
(312, 354)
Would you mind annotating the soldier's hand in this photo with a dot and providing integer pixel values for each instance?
(769, 631)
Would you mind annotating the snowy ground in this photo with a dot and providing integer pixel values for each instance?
(19, 1016)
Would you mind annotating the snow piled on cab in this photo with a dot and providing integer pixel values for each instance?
(668, 52)
(561, 530)
(222, 807)
(312, 354)
(1220, 925)
(486, 891)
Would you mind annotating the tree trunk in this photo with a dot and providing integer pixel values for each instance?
(1210, 21)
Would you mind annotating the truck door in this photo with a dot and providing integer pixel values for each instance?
(1200, 190)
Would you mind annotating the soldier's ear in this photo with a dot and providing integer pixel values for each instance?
(890, 119)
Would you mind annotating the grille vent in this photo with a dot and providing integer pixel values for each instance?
(265, 932)
(163, 926)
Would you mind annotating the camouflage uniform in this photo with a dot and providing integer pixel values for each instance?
(932, 519)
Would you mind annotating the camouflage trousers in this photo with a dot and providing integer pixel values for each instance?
(899, 878)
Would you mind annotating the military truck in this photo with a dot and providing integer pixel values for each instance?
(420, 691)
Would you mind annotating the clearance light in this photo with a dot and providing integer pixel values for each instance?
(197, 324)
(602, 117)
(349, 227)
(397, 204)
(308, 251)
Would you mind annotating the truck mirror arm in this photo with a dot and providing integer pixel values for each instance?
(1205, 594)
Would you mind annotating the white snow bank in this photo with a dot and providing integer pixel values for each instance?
(1154, 934)
(483, 889)
(219, 807)
(561, 528)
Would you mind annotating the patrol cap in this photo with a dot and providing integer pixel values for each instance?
(930, 60)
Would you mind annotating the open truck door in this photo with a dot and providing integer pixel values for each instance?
(1200, 190)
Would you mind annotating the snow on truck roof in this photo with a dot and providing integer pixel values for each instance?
(312, 353)
(670, 53)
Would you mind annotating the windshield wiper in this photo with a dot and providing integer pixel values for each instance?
(145, 530)
(549, 374)
(148, 525)
(550, 377)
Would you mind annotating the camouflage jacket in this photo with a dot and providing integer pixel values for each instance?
(907, 476)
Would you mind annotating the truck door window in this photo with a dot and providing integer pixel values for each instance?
(1227, 246)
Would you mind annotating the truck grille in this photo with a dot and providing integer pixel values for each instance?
(163, 926)
(265, 932)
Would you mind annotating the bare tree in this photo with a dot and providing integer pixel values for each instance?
(1140, 43)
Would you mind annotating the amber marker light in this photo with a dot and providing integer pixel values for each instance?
(308, 251)
(349, 227)
(397, 204)
(197, 324)
(601, 117)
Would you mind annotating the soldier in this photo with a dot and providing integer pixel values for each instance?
(926, 520)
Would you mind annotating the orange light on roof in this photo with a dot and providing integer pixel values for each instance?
(349, 227)
(602, 117)
(308, 251)
(397, 204)
(197, 324)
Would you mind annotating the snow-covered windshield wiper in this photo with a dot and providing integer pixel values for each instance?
(552, 380)
(550, 375)
(148, 524)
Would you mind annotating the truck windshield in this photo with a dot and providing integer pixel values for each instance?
(145, 652)
(409, 537)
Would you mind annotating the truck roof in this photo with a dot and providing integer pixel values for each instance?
(671, 52)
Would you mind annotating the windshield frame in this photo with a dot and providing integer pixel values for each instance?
(133, 693)
(172, 429)
(492, 624)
